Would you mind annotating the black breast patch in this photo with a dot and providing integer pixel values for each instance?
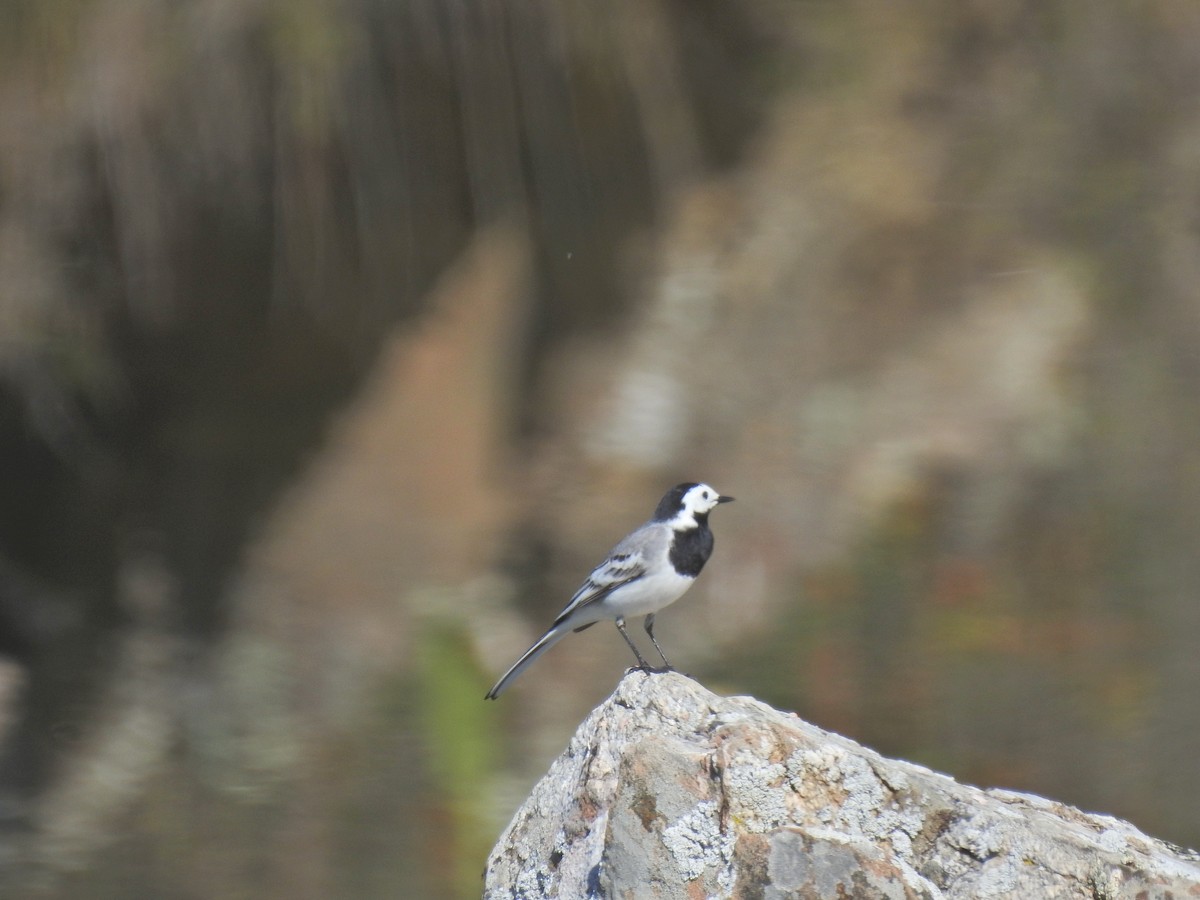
(691, 549)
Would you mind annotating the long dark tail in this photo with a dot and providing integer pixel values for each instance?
(544, 643)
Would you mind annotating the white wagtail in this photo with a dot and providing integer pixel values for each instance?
(647, 571)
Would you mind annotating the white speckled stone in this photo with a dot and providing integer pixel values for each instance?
(669, 791)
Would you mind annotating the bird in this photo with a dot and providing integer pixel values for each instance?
(649, 569)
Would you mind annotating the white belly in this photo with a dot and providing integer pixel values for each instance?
(647, 595)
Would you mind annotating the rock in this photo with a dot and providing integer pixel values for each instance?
(669, 791)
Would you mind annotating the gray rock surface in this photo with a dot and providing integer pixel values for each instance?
(667, 790)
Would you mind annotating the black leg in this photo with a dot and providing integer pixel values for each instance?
(632, 646)
(650, 631)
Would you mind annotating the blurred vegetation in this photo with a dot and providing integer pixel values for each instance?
(338, 339)
(460, 755)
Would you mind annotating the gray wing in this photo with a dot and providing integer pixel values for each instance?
(626, 563)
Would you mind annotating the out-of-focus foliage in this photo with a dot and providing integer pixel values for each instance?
(460, 751)
(339, 338)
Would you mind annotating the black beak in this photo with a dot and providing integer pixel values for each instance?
(725, 499)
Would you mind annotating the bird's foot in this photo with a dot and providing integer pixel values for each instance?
(650, 670)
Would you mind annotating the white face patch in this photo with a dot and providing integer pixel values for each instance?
(700, 499)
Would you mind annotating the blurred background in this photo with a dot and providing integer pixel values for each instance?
(340, 338)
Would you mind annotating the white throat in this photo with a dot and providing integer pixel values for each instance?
(684, 520)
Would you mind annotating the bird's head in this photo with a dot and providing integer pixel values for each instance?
(687, 505)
